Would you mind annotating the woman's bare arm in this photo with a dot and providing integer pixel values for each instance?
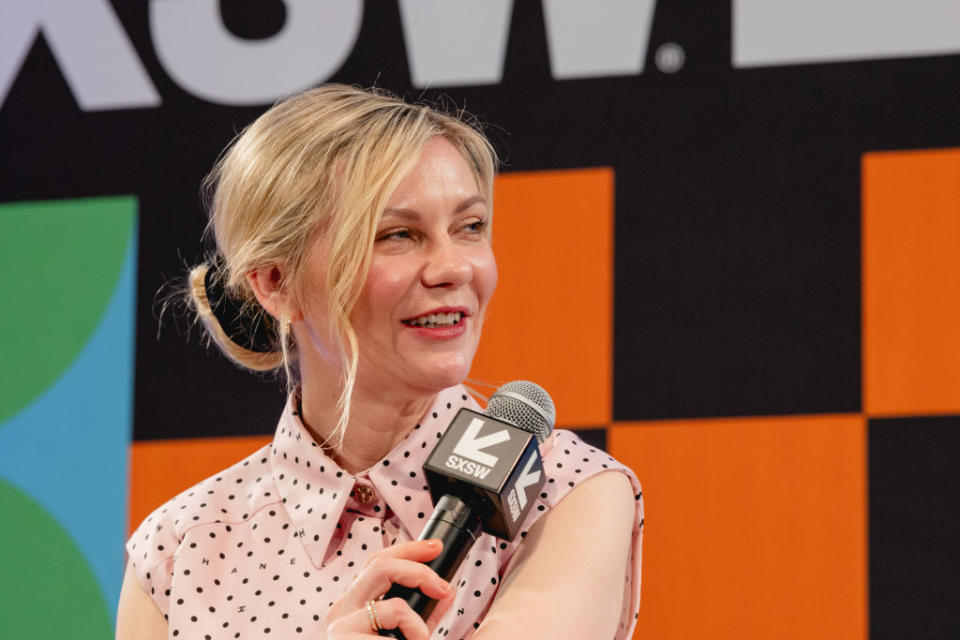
(567, 578)
(137, 615)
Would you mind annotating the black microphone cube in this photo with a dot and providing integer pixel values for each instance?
(492, 463)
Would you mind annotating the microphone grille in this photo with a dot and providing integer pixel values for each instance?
(526, 405)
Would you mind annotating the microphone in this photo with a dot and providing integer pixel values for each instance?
(484, 475)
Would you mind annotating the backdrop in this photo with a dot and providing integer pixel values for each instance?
(728, 239)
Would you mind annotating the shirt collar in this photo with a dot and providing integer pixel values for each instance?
(315, 490)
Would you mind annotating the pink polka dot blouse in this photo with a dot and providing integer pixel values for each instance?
(264, 548)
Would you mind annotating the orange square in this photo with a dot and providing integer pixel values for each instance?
(911, 282)
(160, 469)
(755, 527)
(551, 319)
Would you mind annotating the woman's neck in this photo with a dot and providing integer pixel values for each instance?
(378, 421)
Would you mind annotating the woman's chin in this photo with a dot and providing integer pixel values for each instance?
(440, 375)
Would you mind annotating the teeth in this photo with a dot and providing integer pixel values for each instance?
(437, 320)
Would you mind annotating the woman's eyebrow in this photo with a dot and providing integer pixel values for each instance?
(469, 202)
(402, 213)
(412, 214)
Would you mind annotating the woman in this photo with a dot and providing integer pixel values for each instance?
(360, 225)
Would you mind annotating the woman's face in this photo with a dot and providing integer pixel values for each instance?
(432, 272)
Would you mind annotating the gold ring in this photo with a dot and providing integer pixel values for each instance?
(372, 614)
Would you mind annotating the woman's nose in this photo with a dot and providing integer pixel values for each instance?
(447, 266)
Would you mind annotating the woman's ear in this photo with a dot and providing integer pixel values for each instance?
(272, 294)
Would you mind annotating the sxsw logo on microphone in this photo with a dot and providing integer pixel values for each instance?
(469, 456)
(517, 500)
(479, 449)
(482, 456)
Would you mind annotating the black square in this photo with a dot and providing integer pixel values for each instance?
(914, 528)
(740, 296)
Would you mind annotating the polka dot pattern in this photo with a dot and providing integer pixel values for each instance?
(264, 548)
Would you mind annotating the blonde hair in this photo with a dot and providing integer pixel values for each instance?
(322, 162)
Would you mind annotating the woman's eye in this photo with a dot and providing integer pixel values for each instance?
(477, 226)
(394, 234)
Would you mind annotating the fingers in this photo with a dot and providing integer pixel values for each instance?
(401, 564)
(397, 614)
(383, 572)
(393, 614)
(416, 550)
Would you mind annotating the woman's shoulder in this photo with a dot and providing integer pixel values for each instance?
(226, 495)
(584, 498)
(568, 461)
(231, 495)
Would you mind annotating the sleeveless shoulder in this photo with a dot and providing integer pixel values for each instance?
(567, 462)
(232, 495)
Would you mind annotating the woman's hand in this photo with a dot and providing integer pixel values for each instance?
(401, 564)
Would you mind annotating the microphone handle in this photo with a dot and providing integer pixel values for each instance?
(455, 523)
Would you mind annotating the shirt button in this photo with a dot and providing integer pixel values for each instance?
(363, 494)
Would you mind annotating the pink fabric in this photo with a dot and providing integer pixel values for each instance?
(265, 547)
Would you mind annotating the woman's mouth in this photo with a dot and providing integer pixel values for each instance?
(435, 320)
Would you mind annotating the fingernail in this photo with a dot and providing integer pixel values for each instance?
(446, 587)
(434, 543)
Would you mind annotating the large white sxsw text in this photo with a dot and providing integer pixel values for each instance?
(584, 40)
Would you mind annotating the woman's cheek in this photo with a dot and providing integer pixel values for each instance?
(386, 284)
(487, 272)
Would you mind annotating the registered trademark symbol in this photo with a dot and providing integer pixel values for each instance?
(669, 57)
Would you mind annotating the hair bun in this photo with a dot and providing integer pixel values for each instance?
(259, 338)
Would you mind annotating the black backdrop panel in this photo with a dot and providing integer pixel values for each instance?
(745, 298)
(914, 524)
